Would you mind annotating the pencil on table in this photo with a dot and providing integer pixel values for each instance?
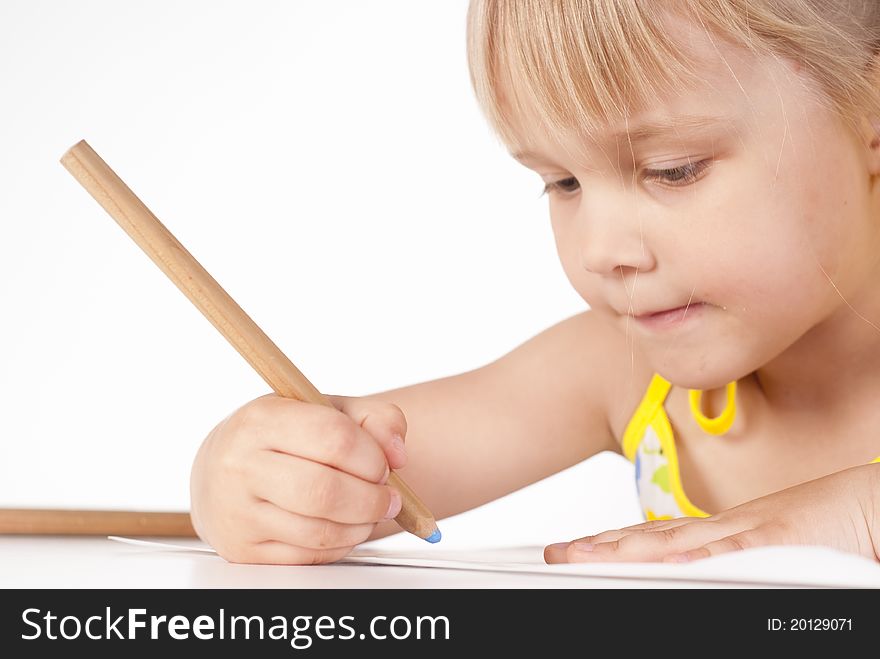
(215, 303)
(94, 522)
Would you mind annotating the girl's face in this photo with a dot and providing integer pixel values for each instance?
(743, 215)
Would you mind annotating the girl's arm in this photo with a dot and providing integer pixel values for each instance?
(477, 436)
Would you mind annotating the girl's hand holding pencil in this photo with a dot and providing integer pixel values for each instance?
(260, 492)
(284, 481)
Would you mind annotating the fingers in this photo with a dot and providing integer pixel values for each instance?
(273, 552)
(651, 542)
(558, 553)
(646, 527)
(384, 421)
(269, 522)
(724, 545)
(283, 481)
(315, 490)
(314, 432)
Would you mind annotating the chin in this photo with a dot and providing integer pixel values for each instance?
(701, 373)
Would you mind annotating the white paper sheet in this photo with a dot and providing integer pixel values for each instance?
(774, 566)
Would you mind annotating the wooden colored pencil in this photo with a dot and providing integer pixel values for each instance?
(94, 522)
(215, 303)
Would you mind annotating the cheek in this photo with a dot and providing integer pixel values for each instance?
(748, 250)
(817, 191)
(568, 250)
(569, 258)
(833, 226)
(818, 234)
(768, 273)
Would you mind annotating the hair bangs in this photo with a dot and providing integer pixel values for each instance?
(572, 66)
(582, 65)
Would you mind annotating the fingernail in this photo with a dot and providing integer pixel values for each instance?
(559, 545)
(399, 447)
(583, 547)
(394, 506)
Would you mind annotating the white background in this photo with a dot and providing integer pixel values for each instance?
(327, 163)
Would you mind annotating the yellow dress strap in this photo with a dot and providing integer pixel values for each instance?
(635, 429)
(721, 423)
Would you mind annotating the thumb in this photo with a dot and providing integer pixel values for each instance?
(384, 421)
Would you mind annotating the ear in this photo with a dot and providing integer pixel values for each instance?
(871, 124)
(871, 141)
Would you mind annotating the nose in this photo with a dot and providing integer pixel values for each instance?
(612, 237)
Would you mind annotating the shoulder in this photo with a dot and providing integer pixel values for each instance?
(596, 373)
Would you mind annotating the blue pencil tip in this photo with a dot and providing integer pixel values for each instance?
(434, 537)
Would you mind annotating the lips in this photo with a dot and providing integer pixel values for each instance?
(661, 310)
(667, 310)
(676, 317)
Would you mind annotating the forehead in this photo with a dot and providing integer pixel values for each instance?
(662, 128)
(731, 89)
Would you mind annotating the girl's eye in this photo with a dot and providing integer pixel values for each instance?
(678, 176)
(565, 185)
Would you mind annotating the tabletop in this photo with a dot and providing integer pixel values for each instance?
(92, 562)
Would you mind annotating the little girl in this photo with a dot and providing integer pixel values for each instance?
(711, 168)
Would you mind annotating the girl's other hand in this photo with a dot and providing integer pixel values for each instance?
(841, 511)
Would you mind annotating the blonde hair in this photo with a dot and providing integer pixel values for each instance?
(585, 64)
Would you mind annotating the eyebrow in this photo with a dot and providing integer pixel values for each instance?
(688, 124)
